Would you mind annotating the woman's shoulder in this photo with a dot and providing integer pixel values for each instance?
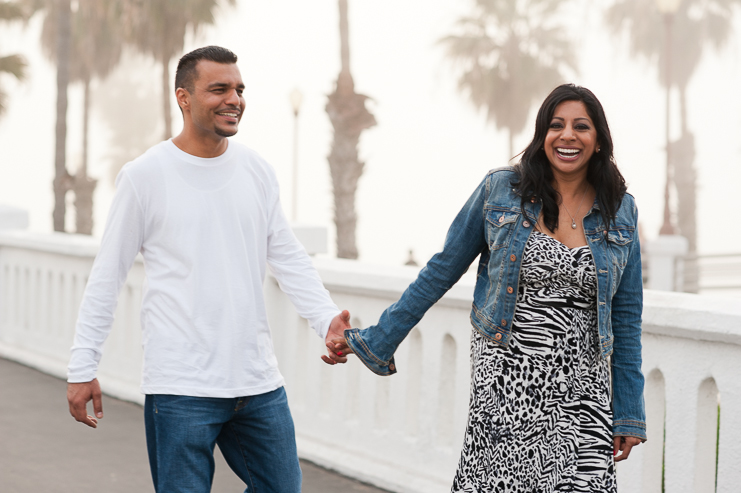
(628, 211)
(503, 174)
(502, 171)
(628, 201)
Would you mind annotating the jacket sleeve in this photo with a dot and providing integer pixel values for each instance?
(375, 346)
(629, 415)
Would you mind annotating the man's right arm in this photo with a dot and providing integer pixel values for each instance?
(121, 241)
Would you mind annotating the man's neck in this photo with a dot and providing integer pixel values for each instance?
(200, 147)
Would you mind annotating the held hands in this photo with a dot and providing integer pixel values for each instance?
(623, 445)
(78, 395)
(337, 348)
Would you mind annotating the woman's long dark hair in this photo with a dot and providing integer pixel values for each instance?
(534, 174)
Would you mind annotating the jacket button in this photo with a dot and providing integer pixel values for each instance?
(526, 224)
(504, 323)
(498, 336)
(392, 367)
(513, 257)
(510, 290)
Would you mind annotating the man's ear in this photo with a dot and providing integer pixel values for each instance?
(183, 98)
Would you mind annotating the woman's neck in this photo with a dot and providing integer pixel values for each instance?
(571, 188)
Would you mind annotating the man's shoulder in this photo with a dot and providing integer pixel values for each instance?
(248, 154)
(143, 166)
(251, 159)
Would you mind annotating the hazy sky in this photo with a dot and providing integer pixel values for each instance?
(429, 150)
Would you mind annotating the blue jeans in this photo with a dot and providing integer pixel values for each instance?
(255, 435)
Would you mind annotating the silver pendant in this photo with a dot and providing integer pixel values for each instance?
(573, 224)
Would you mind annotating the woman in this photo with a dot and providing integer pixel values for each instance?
(558, 292)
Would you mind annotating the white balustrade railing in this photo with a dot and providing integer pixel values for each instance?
(403, 432)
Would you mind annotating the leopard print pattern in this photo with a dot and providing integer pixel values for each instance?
(540, 419)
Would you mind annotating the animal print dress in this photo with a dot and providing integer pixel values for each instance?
(540, 419)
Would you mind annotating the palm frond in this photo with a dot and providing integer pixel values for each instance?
(14, 65)
(10, 11)
(3, 99)
(509, 54)
(697, 24)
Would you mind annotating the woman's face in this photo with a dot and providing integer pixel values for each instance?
(571, 139)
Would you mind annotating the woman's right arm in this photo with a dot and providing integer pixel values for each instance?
(466, 239)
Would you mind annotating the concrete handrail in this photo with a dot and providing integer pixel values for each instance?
(402, 432)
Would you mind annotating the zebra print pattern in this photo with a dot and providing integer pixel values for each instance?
(540, 418)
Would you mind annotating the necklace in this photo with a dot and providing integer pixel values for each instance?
(573, 218)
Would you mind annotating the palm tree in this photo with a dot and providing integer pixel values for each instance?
(349, 117)
(95, 49)
(510, 54)
(158, 28)
(14, 65)
(699, 24)
(127, 113)
(59, 13)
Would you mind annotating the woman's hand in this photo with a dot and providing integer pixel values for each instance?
(337, 351)
(623, 445)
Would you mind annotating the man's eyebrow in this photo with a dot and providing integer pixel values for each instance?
(223, 84)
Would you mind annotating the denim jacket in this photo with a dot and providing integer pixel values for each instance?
(493, 224)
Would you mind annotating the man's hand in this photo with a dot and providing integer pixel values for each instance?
(335, 341)
(623, 445)
(78, 395)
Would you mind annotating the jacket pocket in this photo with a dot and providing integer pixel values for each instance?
(618, 243)
(499, 226)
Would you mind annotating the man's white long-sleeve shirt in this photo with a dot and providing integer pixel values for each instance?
(206, 229)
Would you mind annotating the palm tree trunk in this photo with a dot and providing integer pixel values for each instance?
(349, 117)
(683, 108)
(511, 143)
(344, 38)
(165, 60)
(685, 180)
(61, 178)
(84, 186)
(85, 125)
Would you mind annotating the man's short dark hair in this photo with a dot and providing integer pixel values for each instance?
(186, 73)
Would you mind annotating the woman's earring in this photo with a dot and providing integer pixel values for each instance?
(598, 149)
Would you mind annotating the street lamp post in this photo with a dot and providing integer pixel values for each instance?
(296, 98)
(668, 8)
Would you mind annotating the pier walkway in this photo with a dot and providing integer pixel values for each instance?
(44, 450)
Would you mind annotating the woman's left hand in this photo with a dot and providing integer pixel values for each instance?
(622, 446)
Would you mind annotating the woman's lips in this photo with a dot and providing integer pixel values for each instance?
(567, 154)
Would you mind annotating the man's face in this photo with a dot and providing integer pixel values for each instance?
(216, 105)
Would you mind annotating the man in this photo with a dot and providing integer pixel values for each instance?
(205, 214)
